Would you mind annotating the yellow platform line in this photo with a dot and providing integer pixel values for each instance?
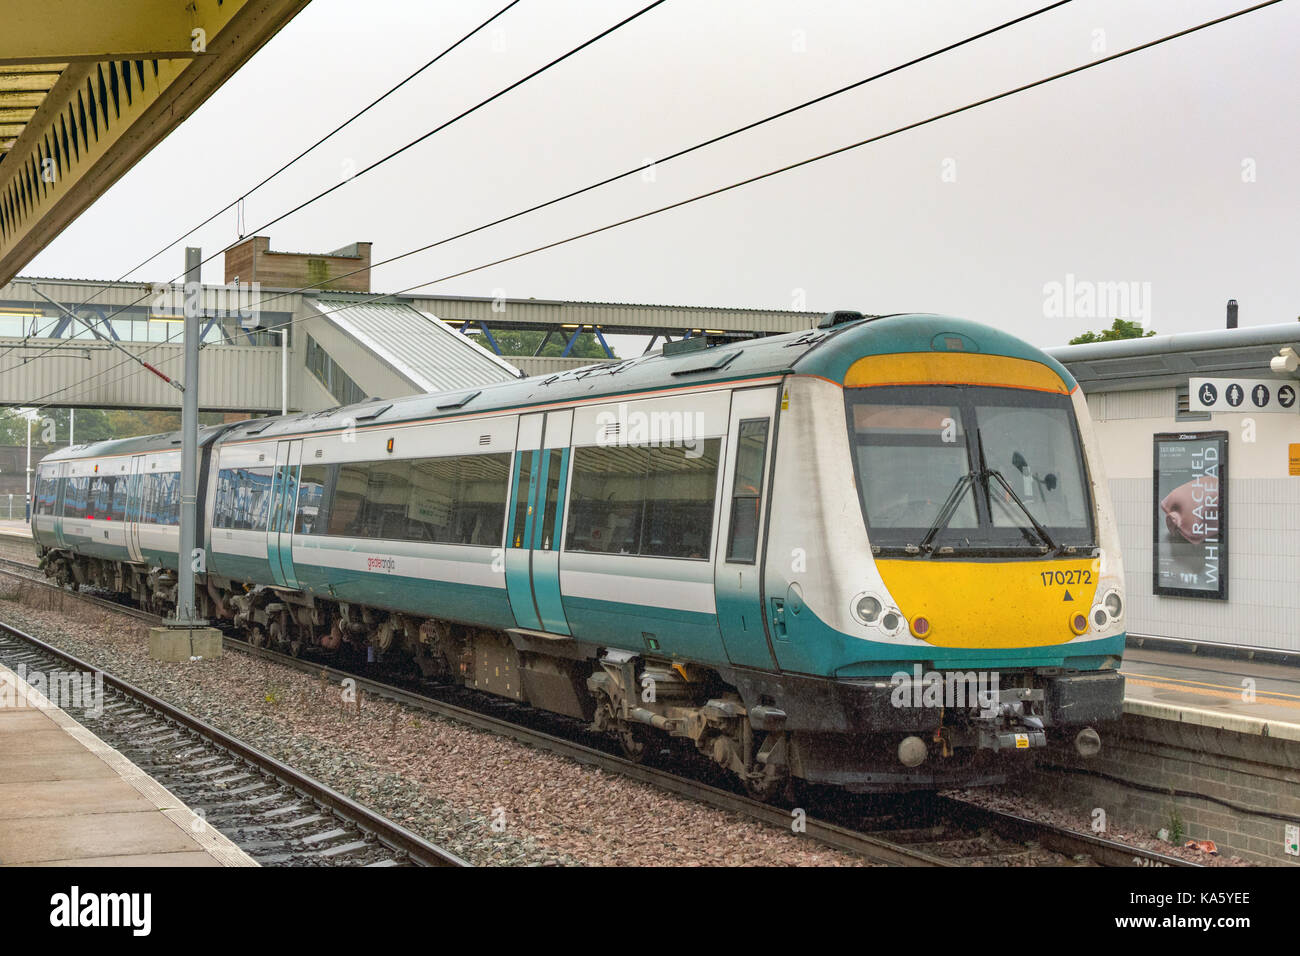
(1260, 698)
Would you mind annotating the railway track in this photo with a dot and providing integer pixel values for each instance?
(937, 831)
(274, 813)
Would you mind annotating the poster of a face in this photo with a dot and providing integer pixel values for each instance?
(1190, 556)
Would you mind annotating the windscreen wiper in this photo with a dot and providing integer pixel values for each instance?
(948, 510)
(986, 473)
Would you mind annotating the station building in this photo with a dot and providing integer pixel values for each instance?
(59, 338)
(1234, 577)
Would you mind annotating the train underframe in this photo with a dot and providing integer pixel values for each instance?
(764, 728)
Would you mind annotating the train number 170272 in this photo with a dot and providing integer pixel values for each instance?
(1077, 576)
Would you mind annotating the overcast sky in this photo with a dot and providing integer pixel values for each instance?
(1178, 167)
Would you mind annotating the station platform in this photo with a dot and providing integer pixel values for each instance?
(1248, 697)
(68, 799)
(15, 528)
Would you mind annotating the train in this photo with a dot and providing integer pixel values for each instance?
(876, 555)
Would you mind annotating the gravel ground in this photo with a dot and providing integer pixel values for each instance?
(1033, 808)
(490, 800)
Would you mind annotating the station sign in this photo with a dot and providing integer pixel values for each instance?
(1253, 395)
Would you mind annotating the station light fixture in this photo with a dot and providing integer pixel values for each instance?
(1285, 362)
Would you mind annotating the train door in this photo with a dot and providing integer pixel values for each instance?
(739, 566)
(533, 534)
(61, 489)
(134, 508)
(284, 503)
(552, 483)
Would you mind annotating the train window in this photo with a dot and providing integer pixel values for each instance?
(160, 498)
(1036, 450)
(46, 495)
(482, 485)
(647, 500)
(74, 501)
(554, 457)
(117, 504)
(747, 490)
(242, 504)
(968, 468)
(106, 498)
(607, 501)
(349, 498)
(310, 515)
(388, 491)
(450, 500)
(911, 456)
(523, 489)
(680, 486)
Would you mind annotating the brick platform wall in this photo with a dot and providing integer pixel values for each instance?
(1257, 777)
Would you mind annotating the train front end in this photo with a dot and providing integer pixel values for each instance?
(971, 608)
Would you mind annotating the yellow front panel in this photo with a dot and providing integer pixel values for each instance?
(993, 603)
(944, 368)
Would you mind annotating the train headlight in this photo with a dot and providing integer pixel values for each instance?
(1114, 605)
(867, 609)
(1100, 617)
(892, 621)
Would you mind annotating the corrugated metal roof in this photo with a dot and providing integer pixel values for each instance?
(1159, 361)
(428, 352)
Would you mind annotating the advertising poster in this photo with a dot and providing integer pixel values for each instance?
(1190, 556)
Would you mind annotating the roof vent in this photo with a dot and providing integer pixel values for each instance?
(832, 319)
(692, 343)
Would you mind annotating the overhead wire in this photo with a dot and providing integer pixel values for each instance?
(779, 170)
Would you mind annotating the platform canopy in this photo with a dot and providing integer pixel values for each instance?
(88, 87)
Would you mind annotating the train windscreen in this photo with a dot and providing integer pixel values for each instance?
(964, 469)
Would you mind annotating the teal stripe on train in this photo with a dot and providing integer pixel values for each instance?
(814, 647)
(689, 635)
(466, 603)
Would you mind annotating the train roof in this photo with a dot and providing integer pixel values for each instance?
(826, 352)
(144, 444)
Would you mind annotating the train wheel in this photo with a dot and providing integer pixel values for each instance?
(767, 788)
(632, 742)
(256, 636)
(631, 738)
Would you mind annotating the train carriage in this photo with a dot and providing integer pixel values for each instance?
(878, 554)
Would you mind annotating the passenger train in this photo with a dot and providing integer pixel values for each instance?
(878, 554)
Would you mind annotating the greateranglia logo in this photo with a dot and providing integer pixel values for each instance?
(74, 908)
